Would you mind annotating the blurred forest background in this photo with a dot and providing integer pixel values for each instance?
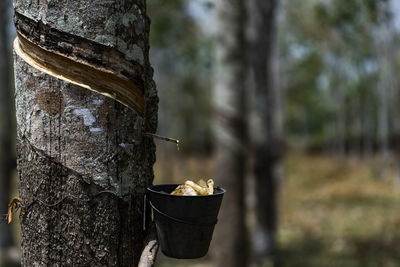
(335, 101)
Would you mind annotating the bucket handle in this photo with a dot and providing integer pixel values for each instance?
(182, 221)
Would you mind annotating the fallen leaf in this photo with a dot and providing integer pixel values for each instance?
(14, 204)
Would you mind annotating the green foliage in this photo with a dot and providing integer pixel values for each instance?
(332, 64)
(181, 54)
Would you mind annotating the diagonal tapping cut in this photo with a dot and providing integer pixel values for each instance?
(100, 81)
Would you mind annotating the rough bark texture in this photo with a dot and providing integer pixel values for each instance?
(6, 107)
(266, 135)
(75, 141)
(229, 246)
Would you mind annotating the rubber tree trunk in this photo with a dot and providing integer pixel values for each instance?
(265, 131)
(341, 111)
(229, 248)
(72, 141)
(383, 93)
(6, 133)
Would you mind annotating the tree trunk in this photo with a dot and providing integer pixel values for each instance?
(72, 141)
(229, 246)
(367, 127)
(341, 115)
(382, 47)
(6, 152)
(266, 134)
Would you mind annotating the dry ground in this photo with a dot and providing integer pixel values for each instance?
(332, 212)
(339, 213)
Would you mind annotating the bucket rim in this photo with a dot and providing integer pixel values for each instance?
(150, 188)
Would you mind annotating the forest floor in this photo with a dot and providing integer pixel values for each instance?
(333, 212)
(339, 213)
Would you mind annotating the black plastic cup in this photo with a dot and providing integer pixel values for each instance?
(185, 224)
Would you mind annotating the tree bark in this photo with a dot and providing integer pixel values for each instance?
(6, 125)
(266, 133)
(229, 248)
(72, 141)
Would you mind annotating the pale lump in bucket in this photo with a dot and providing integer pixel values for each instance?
(190, 188)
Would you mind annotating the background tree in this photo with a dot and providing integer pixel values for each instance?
(266, 131)
(75, 141)
(230, 132)
(7, 156)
